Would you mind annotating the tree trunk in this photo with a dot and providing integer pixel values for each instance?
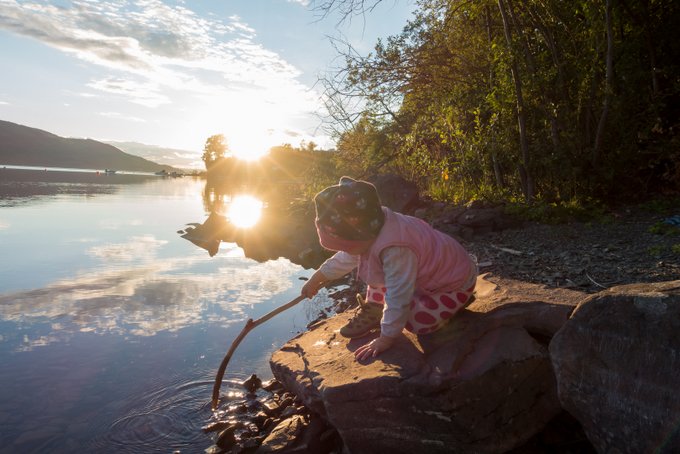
(525, 175)
(498, 175)
(597, 148)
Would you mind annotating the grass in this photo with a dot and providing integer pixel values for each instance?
(662, 228)
(560, 212)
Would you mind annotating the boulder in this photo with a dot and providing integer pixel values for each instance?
(484, 383)
(617, 362)
(396, 192)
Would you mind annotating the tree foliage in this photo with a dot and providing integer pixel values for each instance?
(529, 99)
(214, 150)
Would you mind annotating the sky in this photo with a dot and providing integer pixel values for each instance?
(172, 73)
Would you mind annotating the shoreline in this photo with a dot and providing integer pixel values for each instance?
(85, 176)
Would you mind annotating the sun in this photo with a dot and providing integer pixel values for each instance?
(249, 155)
(244, 211)
(250, 143)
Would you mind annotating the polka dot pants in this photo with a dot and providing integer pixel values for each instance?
(428, 313)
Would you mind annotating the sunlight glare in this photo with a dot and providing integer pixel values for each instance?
(250, 154)
(250, 148)
(245, 211)
(247, 139)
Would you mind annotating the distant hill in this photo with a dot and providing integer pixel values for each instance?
(24, 146)
(182, 159)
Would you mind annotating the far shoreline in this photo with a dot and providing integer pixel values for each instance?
(68, 175)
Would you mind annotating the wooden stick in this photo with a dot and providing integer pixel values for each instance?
(250, 324)
(508, 250)
(593, 281)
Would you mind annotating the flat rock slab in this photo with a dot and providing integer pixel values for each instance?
(484, 383)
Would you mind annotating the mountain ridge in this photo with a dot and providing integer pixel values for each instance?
(28, 146)
(176, 157)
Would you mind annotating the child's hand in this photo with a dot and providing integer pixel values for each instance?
(313, 285)
(374, 348)
(310, 289)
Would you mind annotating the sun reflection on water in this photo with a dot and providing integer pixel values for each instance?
(244, 211)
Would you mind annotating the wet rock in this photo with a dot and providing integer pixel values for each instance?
(268, 424)
(288, 412)
(617, 361)
(252, 384)
(287, 401)
(227, 438)
(260, 418)
(239, 408)
(283, 437)
(272, 386)
(252, 444)
(215, 426)
(271, 407)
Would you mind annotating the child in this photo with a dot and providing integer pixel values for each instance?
(417, 277)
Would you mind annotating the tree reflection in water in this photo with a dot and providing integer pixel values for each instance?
(263, 221)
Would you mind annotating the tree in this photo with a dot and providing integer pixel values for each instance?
(215, 149)
(581, 97)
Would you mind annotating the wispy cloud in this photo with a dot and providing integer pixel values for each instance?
(120, 116)
(301, 2)
(155, 47)
(145, 93)
(145, 297)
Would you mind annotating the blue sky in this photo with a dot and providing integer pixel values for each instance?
(172, 73)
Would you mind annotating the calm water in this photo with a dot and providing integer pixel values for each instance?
(112, 326)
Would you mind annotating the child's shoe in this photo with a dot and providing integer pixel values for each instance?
(364, 321)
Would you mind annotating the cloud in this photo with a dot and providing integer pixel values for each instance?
(291, 133)
(135, 249)
(143, 299)
(141, 92)
(157, 46)
(119, 116)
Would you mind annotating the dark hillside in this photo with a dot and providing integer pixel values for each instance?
(21, 145)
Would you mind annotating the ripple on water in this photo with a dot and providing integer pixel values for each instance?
(168, 417)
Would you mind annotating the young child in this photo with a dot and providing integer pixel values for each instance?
(417, 277)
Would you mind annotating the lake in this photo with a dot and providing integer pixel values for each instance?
(112, 325)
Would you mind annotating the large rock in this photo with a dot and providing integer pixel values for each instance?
(396, 192)
(617, 362)
(482, 384)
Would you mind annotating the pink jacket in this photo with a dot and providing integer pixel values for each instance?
(443, 264)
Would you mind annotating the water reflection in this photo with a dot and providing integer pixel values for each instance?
(141, 301)
(244, 211)
(265, 223)
(111, 325)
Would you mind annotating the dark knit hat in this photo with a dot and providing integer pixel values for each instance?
(350, 210)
